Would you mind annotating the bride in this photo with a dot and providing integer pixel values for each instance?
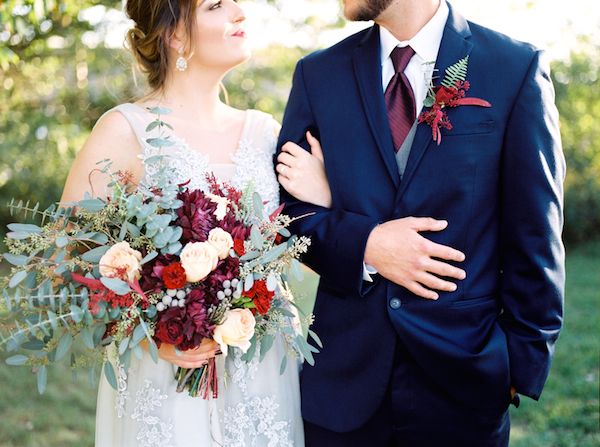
(185, 47)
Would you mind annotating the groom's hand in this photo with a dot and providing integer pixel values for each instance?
(402, 255)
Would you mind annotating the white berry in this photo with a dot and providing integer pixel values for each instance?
(234, 283)
(171, 292)
(226, 284)
(167, 300)
(180, 294)
(160, 307)
(221, 295)
(174, 303)
(227, 292)
(181, 303)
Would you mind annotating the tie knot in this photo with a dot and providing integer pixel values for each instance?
(401, 57)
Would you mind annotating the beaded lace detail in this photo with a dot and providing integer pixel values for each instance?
(153, 432)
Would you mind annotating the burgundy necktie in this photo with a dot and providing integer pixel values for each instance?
(399, 97)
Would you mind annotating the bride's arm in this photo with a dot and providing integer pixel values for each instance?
(112, 138)
(303, 174)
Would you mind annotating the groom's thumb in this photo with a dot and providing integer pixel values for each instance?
(315, 146)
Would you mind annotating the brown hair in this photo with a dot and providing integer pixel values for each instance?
(155, 21)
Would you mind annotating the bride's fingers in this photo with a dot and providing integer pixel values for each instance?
(283, 170)
(294, 150)
(315, 146)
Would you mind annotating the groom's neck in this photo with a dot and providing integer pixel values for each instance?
(405, 18)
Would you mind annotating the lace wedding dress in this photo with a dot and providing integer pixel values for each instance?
(256, 407)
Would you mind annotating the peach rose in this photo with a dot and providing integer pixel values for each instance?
(121, 261)
(222, 203)
(237, 330)
(198, 259)
(221, 240)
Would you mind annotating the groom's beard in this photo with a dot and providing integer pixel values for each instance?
(367, 9)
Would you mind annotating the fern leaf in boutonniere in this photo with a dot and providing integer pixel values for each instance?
(452, 92)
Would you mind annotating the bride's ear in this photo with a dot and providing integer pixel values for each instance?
(177, 38)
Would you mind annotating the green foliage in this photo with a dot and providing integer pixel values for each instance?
(577, 84)
(456, 72)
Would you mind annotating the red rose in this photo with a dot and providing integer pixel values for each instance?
(170, 332)
(261, 296)
(238, 247)
(174, 276)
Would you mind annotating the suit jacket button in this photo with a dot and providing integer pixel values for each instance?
(395, 303)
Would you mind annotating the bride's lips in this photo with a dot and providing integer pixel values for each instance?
(239, 33)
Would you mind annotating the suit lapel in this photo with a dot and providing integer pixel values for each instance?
(454, 46)
(367, 68)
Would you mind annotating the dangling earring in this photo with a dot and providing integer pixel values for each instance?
(181, 63)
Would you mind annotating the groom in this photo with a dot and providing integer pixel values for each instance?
(474, 221)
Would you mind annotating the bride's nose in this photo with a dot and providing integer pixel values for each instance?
(238, 14)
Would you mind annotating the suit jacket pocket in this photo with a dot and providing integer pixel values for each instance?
(486, 300)
(482, 127)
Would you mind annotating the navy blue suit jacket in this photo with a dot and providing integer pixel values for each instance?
(496, 178)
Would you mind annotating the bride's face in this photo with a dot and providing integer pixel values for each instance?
(219, 37)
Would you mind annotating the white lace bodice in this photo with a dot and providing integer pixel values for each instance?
(251, 162)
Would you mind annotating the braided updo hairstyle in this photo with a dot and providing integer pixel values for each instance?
(155, 22)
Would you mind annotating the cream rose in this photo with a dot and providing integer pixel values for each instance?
(121, 261)
(237, 330)
(198, 259)
(221, 240)
(222, 203)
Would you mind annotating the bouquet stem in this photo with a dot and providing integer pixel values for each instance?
(201, 381)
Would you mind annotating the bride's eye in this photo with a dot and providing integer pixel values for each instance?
(215, 5)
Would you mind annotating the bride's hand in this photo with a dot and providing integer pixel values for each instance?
(193, 358)
(302, 174)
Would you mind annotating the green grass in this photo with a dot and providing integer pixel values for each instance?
(566, 416)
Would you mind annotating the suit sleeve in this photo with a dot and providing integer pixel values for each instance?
(338, 237)
(532, 253)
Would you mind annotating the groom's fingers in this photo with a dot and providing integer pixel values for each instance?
(421, 291)
(427, 223)
(446, 270)
(443, 252)
(433, 282)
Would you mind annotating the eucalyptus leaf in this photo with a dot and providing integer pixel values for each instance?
(159, 110)
(92, 205)
(284, 232)
(16, 260)
(316, 338)
(248, 282)
(100, 238)
(297, 269)
(62, 241)
(16, 360)
(64, 344)
(274, 253)
(149, 257)
(76, 313)
(258, 206)
(123, 345)
(109, 372)
(265, 344)
(18, 235)
(249, 256)
(138, 335)
(283, 365)
(256, 237)
(95, 254)
(88, 338)
(24, 228)
(153, 351)
(42, 379)
(17, 279)
(304, 350)
(33, 345)
(117, 285)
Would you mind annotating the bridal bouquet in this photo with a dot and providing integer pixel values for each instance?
(150, 264)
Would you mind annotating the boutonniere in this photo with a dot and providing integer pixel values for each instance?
(452, 92)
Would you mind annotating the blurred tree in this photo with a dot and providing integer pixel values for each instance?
(577, 83)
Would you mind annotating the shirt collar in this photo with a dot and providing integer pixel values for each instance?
(426, 42)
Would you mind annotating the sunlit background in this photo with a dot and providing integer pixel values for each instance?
(62, 64)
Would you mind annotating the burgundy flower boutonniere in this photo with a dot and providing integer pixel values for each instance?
(451, 93)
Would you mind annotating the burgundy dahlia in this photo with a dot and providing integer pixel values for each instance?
(196, 217)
